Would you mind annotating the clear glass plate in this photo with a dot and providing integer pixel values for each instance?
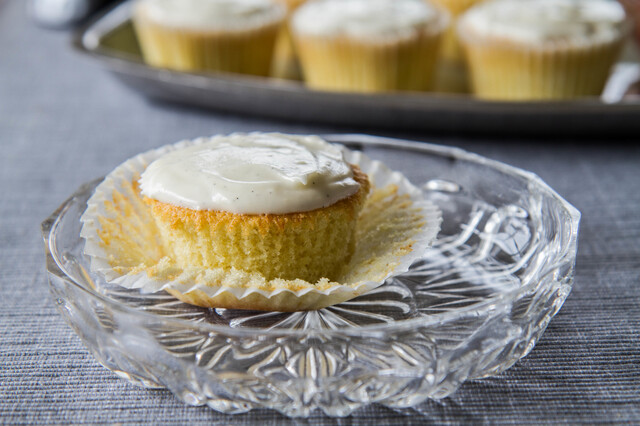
(476, 302)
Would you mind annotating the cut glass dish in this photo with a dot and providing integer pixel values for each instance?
(475, 303)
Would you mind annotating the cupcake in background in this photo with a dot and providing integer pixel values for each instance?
(208, 35)
(285, 62)
(368, 45)
(633, 10)
(452, 68)
(542, 49)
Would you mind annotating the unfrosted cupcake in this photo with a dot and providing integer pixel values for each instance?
(368, 45)
(542, 49)
(283, 206)
(208, 35)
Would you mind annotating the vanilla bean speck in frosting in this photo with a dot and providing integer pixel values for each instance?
(539, 21)
(254, 173)
(364, 19)
(212, 14)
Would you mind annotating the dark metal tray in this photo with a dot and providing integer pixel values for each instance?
(110, 38)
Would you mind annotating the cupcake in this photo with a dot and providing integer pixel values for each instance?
(542, 49)
(260, 221)
(452, 73)
(282, 206)
(208, 35)
(285, 62)
(368, 45)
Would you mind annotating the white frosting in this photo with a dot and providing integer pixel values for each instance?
(367, 19)
(539, 21)
(212, 14)
(251, 174)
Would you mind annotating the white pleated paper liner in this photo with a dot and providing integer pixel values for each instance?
(394, 230)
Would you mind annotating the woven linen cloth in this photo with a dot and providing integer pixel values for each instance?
(64, 121)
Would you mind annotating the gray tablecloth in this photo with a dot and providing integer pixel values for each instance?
(64, 121)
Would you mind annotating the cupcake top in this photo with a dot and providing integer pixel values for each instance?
(211, 14)
(542, 21)
(367, 19)
(255, 173)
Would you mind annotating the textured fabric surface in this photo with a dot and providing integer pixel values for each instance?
(64, 121)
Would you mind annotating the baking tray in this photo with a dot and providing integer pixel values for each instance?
(110, 39)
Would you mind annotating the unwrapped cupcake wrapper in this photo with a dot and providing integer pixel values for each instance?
(510, 71)
(134, 258)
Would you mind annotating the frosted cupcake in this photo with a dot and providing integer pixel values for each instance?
(256, 221)
(208, 35)
(542, 49)
(368, 45)
(282, 206)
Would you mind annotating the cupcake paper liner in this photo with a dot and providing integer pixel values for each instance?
(240, 51)
(395, 228)
(451, 49)
(505, 70)
(344, 64)
(285, 61)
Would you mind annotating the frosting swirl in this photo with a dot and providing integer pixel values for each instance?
(539, 21)
(366, 19)
(255, 173)
(212, 14)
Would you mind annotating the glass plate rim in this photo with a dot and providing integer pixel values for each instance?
(50, 224)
